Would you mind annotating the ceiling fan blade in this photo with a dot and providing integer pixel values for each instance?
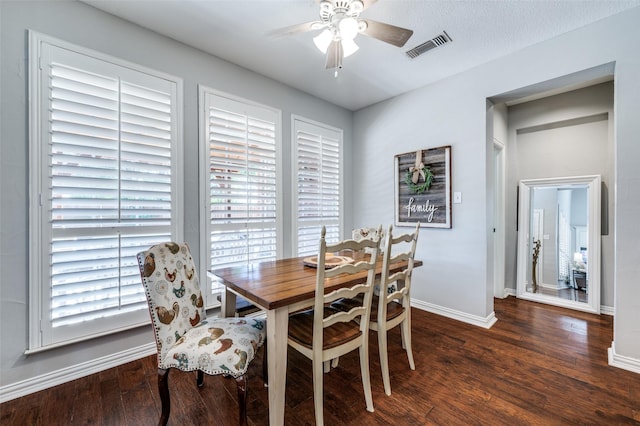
(334, 55)
(298, 28)
(367, 3)
(388, 33)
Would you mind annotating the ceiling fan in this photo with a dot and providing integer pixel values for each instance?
(340, 24)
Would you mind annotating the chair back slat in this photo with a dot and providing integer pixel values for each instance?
(348, 268)
(348, 292)
(343, 316)
(354, 245)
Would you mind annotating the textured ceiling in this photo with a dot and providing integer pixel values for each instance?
(236, 30)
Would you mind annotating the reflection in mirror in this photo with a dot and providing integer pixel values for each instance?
(558, 242)
(559, 264)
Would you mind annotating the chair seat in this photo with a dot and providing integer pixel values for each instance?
(217, 346)
(394, 309)
(301, 330)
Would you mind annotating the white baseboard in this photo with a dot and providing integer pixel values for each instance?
(484, 322)
(509, 292)
(54, 378)
(605, 310)
(624, 362)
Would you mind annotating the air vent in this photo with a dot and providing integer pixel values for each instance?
(438, 40)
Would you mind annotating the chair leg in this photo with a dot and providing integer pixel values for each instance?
(384, 359)
(328, 365)
(318, 396)
(406, 334)
(163, 388)
(241, 382)
(364, 371)
(200, 379)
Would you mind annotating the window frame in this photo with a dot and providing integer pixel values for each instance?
(41, 334)
(320, 127)
(204, 181)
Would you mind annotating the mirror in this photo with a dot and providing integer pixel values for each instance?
(559, 242)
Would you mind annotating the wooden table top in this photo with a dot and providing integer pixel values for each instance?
(282, 282)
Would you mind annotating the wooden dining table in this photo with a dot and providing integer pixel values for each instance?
(280, 287)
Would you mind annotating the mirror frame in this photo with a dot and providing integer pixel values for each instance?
(525, 187)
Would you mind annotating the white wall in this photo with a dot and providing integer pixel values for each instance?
(85, 26)
(456, 277)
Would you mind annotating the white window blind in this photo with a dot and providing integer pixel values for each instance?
(318, 159)
(240, 147)
(105, 171)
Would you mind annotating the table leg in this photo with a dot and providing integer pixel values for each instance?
(277, 325)
(228, 308)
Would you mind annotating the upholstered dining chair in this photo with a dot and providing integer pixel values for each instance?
(323, 333)
(368, 233)
(391, 307)
(185, 339)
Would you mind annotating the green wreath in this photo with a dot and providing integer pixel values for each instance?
(419, 188)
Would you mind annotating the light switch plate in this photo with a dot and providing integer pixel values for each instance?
(457, 197)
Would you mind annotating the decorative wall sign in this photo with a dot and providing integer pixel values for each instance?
(423, 188)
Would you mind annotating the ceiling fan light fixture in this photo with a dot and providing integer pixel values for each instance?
(339, 23)
(349, 47)
(323, 40)
(349, 28)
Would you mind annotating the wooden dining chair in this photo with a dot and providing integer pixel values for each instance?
(185, 339)
(324, 333)
(391, 306)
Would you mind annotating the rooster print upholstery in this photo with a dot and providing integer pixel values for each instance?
(179, 292)
(185, 338)
(194, 321)
(170, 276)
(368, 233)
(165, 315)
(224, 345)
(189, 272)
(149, 265)
(197, 301)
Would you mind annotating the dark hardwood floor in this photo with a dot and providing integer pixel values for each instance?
(566, 293)
(538, 365)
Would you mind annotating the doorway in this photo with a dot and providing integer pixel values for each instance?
(559, 114)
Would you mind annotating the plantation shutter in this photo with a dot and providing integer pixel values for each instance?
(108, 190)
(242, 181)
(318, 159)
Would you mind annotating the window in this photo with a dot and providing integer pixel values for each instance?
(318, 195)
(104, 168)
(239, 149)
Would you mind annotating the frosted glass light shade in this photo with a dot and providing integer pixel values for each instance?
(348, 28)
(349, 47)
(323, 40)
